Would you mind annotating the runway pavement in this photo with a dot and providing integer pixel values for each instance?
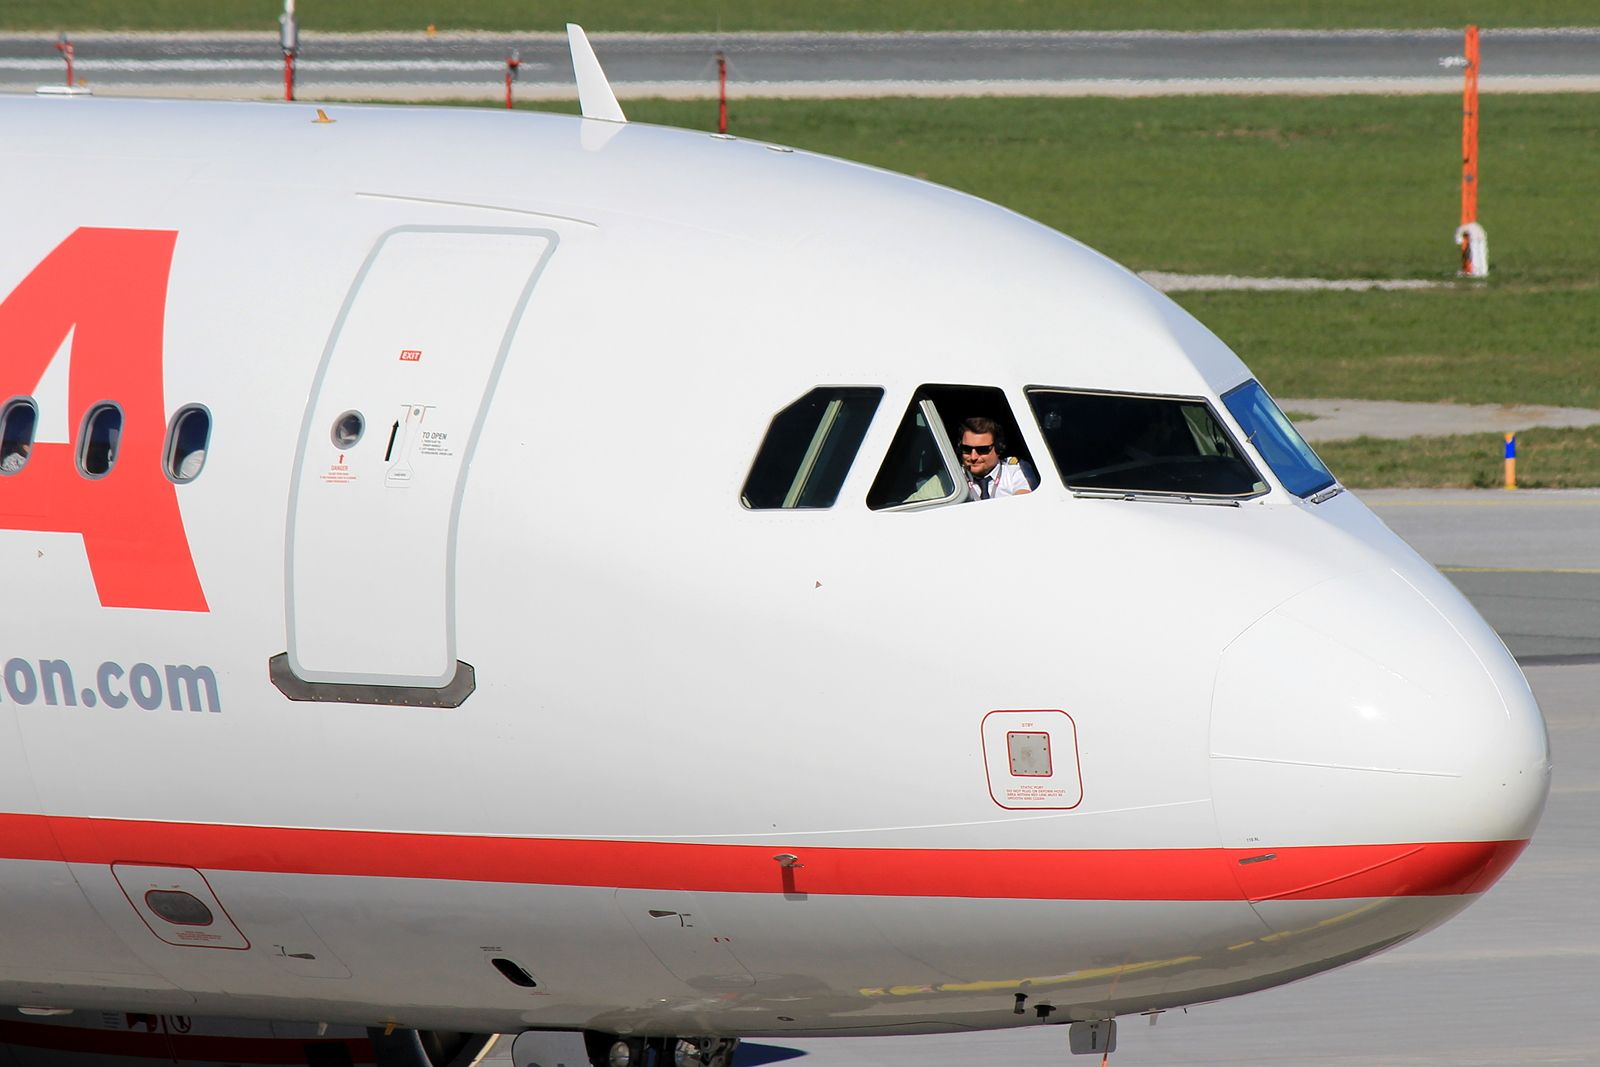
(1343, 420)
(1528, 559)
(1514, 979)
(416, 66)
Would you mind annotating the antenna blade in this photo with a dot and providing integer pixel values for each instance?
(594, 92)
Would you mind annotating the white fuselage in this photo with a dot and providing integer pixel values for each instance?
(1296, 744)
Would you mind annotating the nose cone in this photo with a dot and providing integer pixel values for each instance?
(1379, 709)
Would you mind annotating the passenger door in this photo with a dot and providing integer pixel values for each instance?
(388, 434)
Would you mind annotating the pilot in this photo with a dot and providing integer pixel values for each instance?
(987, 477)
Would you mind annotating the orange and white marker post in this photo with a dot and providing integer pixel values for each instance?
(1470, 237)
(289, 41)
(64, 46)
(513, 64)
(722, 93)
(1511, 461)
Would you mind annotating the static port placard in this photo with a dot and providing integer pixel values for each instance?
(1031, 760)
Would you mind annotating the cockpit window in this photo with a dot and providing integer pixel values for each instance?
(1275, 437)
(960, 403)
(1117, 443)
(808, 449)
(921, 468)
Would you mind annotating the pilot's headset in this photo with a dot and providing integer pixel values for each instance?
(1002, 447)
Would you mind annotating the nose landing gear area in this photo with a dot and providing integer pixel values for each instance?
(548, 1048)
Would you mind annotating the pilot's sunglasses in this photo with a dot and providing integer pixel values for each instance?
(982, 450)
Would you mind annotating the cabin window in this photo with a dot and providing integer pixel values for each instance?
(99, 441)
(18, 421)
(921, 469)
(187, 437)
(1123, 444)
(808, 449)
(1275, 437)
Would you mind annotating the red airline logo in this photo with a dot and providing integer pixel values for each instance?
(109, 289)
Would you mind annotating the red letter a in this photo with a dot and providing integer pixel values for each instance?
(110, 288)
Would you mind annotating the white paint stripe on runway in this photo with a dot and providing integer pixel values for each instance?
(1128, 87)
(1188, 283)
(270, 35)
(170, 66)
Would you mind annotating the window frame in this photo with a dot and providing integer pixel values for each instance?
(1225, 499)
(1332, 488)
(11, 405)
(841, 394)
(81, 453)
(947, 452)
(168, 466)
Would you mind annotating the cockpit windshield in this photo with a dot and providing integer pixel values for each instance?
(1275, 437)
(1123, 444)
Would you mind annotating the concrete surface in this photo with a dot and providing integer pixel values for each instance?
(1343, 419)
(415, 66)
(1170, 282)
(1529, 560)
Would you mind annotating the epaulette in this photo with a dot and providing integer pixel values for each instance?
(1011, 460)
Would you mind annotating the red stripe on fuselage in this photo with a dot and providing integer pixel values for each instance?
(1317, 872)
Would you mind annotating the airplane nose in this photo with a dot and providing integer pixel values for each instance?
(1378, 709)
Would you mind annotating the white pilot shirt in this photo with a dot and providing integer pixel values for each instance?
(1005, 479)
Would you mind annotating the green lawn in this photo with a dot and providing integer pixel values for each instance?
(1345, 186)
(1546, 459)
(737, 15)
(1332, 187)
(1472, 345)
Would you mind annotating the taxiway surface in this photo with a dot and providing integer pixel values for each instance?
(416, 66)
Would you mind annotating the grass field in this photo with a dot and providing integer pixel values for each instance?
(1346, 186)
(1329, 187)
(1547, 459)
(739, 15)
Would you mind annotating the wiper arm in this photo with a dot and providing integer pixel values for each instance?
(1155, 498)
(1326, 494)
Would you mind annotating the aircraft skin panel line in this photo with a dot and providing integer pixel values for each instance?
(587, 605)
